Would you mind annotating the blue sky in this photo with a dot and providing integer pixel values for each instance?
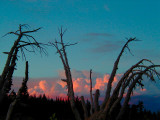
(99, 26)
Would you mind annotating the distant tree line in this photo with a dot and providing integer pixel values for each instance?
(42, 108)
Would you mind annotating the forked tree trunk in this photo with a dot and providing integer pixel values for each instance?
(6, 76)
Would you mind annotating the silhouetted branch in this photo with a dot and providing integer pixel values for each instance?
(132, 85)
(115, 68)
(35, 30)
(63, 56)
(22, 45)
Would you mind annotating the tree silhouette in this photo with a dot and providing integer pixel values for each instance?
(130, 79)
(21, 93)
(29, 44)
(61, 50)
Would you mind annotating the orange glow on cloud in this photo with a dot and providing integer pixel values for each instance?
(43, 85)
(143, 90)
(52, 91)
(63, 84)
(100, 84)
(81, 85)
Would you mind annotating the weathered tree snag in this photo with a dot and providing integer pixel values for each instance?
(8, 82)
(64, 59)
(91, 97)
(114, 99)
(8, 71)
(149, 71)
(96, 100)
(118, 100)
(19, 44)
(6, 68)
(84, 107)
(115, 67)
(19, 96)
(129, 79)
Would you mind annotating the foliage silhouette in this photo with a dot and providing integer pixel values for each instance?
(42, 108)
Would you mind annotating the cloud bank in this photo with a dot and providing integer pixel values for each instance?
(54, 87)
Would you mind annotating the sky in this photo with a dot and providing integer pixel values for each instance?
(101, 27)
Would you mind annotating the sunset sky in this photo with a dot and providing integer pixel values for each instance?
(99, 26)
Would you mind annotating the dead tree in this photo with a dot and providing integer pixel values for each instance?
(91, 97)
(95, 104)
(149, 71)
(96, 101)
(19, 96)
(115, 68)
(19, 45)
(84, 107)
(132, 77)
(61, 50)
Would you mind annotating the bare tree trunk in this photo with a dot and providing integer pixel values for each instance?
(115, 68)
(68, 80)
(91, 97)
(149, 72)
(6, 76)
(72, 100)
(96, 100)
(8, 81)
(70, 89)
(117, 101)
(125, 80)
(6, 68)
(84, 107)
(18, 97)
(127, 98)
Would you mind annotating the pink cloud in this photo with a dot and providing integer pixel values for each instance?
(100, 84)
(43, 85)
(54, 87)
(52, 90)
(143, 90)
(81, 84)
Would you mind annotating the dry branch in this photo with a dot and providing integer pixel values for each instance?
(115, 68)
(61, 50)
(19, 44)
